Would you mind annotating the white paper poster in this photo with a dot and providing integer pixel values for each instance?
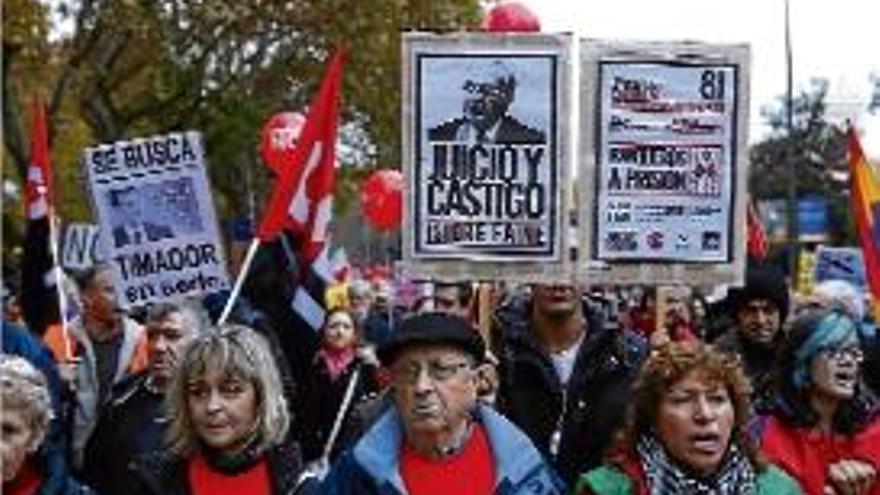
(668, 155)
(153, 202)
(484, 149)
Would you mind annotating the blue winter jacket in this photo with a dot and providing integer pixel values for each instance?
(371, 466)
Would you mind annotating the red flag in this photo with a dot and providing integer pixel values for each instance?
(303, 197)
(865, 195)
(757, 236)
(38, 191)
(39, 299)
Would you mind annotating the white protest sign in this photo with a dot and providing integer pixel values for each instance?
(486, 155)
(153, 201)
(81, 247)
(664, 161)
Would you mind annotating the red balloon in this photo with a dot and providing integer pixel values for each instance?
(511, 17)
(280, 134)
(382, 199)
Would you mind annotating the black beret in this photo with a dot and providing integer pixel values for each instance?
(433, 328)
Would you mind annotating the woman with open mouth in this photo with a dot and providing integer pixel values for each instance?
(825, 427)
(686, 432)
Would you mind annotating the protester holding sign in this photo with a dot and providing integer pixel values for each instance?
(564, 374)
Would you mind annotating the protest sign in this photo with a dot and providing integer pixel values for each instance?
(840, 263)
(663, 162)
(486, 155)
(153, 201)
(81, 247)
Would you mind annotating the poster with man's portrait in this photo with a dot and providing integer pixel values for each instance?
(485, 154)
(152, 199)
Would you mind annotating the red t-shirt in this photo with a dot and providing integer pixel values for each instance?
(471, 472)
(26, 482)
(204, 480)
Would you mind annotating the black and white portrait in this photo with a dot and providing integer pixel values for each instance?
(131, 220)
(488, 90)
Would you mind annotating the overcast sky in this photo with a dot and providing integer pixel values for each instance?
(836, 40)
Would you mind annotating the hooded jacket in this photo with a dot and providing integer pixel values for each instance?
(371, 467)
(571, 425)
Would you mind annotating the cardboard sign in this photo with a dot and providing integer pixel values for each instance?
(663, 128)
(153, 201)
(81, 247)
(485, 155)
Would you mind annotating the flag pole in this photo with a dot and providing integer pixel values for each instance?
(340, 415)
(239, 281)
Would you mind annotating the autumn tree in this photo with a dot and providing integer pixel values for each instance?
(131, 68)
(812, 154)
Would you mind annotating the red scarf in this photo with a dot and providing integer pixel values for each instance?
(336, 360)
(26, 482)
(204, 480)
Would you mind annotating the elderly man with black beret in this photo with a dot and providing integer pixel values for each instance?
(438, 438)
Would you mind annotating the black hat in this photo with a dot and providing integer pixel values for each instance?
(433, 328)
(763, 281)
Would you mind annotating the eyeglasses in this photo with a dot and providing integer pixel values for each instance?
(409, 373)
(484, 89)
(850, 352)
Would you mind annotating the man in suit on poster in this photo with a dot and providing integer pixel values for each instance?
(489, 92)
(133, 228)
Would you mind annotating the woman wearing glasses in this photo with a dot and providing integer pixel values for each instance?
(824, 429)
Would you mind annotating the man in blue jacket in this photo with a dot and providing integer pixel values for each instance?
(437, 437)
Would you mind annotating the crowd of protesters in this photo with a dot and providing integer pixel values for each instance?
(542, 388)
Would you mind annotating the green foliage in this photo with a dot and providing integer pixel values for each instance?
(817, 150)
(132, 68)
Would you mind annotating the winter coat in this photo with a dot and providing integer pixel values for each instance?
(64, 485)
(132, 359)
(320, 400)
(371, 467)
(631, 480)
(806, 454)
(55, 450)
(759, 363)
(571, 425)
(131, 424)
(167, 474)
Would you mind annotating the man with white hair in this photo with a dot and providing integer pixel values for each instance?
(489, 91)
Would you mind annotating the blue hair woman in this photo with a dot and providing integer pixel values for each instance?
(824, 429)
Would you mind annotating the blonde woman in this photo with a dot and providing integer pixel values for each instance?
(229, 422)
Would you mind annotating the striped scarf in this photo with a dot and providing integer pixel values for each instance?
(735, 477)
